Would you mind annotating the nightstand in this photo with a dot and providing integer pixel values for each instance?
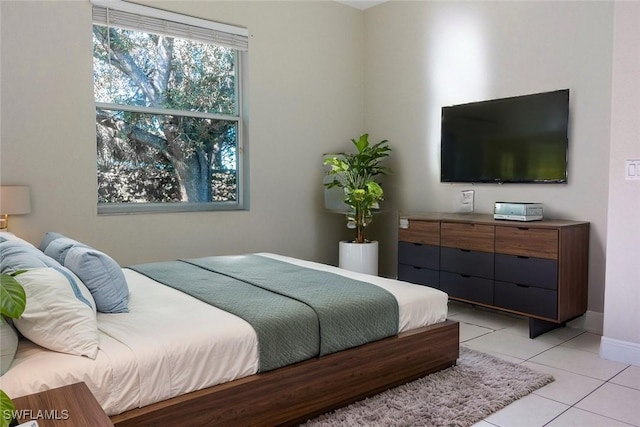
(67, 406)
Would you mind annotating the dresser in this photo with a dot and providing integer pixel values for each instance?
(538, 269)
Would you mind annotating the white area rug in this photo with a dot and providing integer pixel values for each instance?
(459, 396)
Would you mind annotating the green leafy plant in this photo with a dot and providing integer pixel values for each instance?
(13, 301)
(356, 174)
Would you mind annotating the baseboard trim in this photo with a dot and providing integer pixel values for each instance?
(620, 351)
(592, 321)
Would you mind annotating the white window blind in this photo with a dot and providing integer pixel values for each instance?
(136, 17)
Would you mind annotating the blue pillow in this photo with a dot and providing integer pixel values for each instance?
(102, 276)
(58, 248)
(100, 273)
(16, 256)
(48, 238)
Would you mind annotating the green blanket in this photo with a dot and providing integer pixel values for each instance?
(297, 313)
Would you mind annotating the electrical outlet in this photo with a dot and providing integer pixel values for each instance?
(632, 170)
(465, 201)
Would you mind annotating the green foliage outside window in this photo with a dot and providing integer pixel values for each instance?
(167, 118)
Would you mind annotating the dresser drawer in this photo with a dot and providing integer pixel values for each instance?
(526, 299)
(539, 272)
(525, 241)
(475, 237)
(427, 232)
(419, 255)
(468, 288)
(419, 275)
(467, 262)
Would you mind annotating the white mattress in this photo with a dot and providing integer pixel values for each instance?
(170, 344)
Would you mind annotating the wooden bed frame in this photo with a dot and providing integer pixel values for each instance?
(296, 393)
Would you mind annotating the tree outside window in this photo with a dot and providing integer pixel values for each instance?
(167, 120)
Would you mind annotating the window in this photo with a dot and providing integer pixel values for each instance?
(168, 110)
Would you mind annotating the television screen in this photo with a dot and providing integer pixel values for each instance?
(509, 140)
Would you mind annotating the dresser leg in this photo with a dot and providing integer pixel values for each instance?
(539, 327)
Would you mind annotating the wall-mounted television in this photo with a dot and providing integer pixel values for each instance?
(521, 139)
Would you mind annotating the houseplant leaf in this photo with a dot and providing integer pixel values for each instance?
(356, 174)
(8, 409)
(13, 299)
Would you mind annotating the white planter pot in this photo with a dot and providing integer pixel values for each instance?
(360, 257)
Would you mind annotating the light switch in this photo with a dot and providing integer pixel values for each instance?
(632, 170)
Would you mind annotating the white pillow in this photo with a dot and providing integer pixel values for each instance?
(60, 314)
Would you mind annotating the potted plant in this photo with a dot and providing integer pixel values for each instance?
(13, 301)
(356, 174)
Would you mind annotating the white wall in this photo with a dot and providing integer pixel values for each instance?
(320, 73)
(305, 99)
(420, 56)
(621, 340)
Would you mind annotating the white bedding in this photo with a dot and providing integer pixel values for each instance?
(170, 344)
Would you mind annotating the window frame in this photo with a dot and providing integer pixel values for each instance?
(242, 182)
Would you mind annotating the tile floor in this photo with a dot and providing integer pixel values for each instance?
(587, 392)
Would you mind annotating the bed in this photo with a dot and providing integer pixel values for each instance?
(171, 356)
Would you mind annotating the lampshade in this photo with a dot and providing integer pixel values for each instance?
(14, 200)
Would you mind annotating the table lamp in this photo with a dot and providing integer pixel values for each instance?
(14, 200)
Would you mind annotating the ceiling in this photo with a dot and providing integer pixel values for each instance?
(361, 4)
